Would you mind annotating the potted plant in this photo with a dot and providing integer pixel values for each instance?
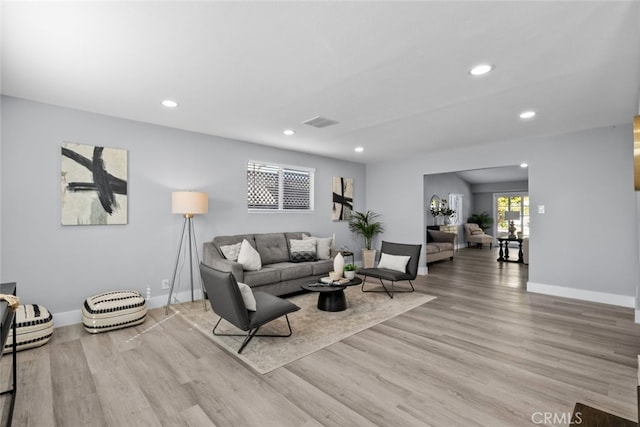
(350, 271)
(367, 225)
(483, 220)
(446, 212)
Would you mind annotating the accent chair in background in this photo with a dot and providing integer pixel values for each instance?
(474, 234)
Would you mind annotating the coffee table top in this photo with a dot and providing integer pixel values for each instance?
(322, 287)
(352, 282)
(326, 287)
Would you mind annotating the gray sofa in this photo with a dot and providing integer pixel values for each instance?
(278, 275)
(440, 245)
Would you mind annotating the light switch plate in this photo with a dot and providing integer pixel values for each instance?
(540, 209)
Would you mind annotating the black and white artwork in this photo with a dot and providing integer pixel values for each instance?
(342, 198)
(93, 185)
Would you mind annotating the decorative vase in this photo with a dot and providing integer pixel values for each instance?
(350, 275)
(338, 263)
(368, 258)
(447, 220)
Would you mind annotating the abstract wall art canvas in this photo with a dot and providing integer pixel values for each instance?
(93, 185)
(342, 198)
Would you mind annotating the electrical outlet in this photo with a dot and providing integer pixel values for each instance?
(165, 283)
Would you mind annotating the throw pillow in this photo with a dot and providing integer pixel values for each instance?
(231, 252)
(302, 250)
(323, 246)
(394, 262)
(247, 296)
(474, 232)
(249, 257)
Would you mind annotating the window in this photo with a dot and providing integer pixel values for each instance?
(455, 203)
(512, 202)
(282, 188)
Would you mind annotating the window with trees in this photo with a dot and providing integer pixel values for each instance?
(512, 202)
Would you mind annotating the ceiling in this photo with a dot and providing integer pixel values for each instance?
(393, 74)
(494, 175)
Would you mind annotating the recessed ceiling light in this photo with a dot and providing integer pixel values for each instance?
(480, 69)
(289, 132)
(524, 165)
(527, 114)
(359, 149)
(169, 103)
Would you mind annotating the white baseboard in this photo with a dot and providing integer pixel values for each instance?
(72, 317)
(581, 294)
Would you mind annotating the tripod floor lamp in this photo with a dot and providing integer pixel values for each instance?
(188, 203)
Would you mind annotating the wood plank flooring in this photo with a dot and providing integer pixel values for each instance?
(484, 353)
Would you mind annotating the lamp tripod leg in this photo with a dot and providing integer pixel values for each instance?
(175, 269)
(195, 248)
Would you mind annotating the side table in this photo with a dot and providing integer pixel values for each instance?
(346, 254)
(504, 254)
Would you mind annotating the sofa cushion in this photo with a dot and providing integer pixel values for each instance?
(302, 250)
(432, 248)
(321, 267)
(265, 276)
(394, 262)
(249, 257)
(323, 245)
(231, 252)
(272, 247)
(247, 296)
(290, 271)
(443, 246)
(219, 241)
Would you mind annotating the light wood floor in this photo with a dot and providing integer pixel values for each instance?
(484, 353)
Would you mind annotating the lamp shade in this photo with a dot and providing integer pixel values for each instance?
(189, 202)
(512, 215)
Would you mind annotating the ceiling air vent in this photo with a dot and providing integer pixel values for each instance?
(320, 122)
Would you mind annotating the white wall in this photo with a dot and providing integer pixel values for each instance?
(60, 266)
(585, 245)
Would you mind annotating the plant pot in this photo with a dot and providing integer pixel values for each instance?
(368, 258)
(350, 275)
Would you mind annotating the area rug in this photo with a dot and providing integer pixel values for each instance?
(312, 329)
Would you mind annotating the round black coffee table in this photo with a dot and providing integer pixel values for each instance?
(331, 297)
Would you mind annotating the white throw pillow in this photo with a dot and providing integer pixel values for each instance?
(249, 257)
(323, 246)
(247, 296)
(394, 262)
(231, 252)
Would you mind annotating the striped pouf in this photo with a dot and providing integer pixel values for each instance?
(34, 327)
(113, 310)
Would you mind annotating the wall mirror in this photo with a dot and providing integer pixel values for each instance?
(434, 203)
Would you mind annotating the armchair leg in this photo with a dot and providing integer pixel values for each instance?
(252, 333)
(385, 288)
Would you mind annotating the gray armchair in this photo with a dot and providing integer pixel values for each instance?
(393, 276)
(226, 301)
